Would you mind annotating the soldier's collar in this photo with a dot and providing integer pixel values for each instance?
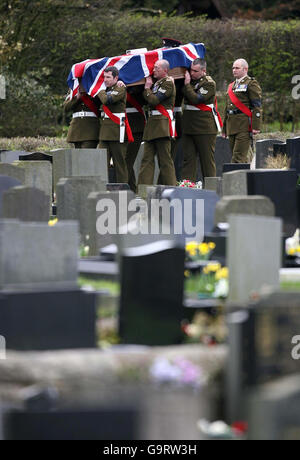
(241, 79)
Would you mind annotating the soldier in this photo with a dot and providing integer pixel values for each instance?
(243, 111)
(137, 120)
(200, 122)
(114, 124)
(160, 126)
(85, 124)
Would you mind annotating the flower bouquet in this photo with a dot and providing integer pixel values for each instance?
(189, 184)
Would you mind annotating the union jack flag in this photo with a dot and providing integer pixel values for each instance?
(132, 67)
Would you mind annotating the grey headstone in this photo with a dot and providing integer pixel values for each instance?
(8, 156)
(72, 199)
(235, 183)
(228, 167)
(214, 184)
(264, 149)
(37, 174)
(254, 205)
(35, 256)
(5, 184)
(223, 154)
(79, 162)
(25, 203)
(253, 255)
(107, 211)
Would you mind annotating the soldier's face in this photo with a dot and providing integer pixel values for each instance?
(196, 72)
(238, 70)
(109, 79)
(158, 71)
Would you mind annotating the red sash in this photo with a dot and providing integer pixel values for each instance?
(90, 104)
(117, 120)
(238, 103)
(206, 108)
(164, 112)
(136, 105)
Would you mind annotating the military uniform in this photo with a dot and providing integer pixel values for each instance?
(115, 99)
(85, 125)
(137, 124)
(157, 134)
(236, 123)
(199, 129)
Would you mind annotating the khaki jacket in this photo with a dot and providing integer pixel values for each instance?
(115, 99)
(249, 92)
(202, 91)
(81, 128)
(162, 92)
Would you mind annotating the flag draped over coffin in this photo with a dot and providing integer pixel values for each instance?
(132, 67)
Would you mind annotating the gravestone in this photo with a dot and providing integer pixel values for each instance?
(72, 199)
(278, 185)
(9, 156)
(264, 149)
(293, 152)
(115, 187)
(261, 346)
(138, 162)
(214, 184)
(151, 294)
(107, 212)
(194, 215)
(273, 410)
(252, 205)
(36, 156)
(253, 255)
(223, 154)
(279, 149)
(35, 255)
(228, 167)
(83, 424)
(48, 319)
(37, 174)
(79, 162)
(5, 184)
(26, 204)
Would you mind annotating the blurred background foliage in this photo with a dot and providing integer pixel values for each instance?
(41, 39)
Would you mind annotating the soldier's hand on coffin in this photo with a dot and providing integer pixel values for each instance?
(120, 83)
(187, 77)
(149, 82)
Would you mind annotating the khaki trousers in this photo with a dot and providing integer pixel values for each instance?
(162, 148)
(117, 151)
(204, 146)
(240, 144)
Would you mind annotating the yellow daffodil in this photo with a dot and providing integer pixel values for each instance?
(191, 245)
(187, 273)
(222, 273)
(203, 248)
(52, 222)
(292, 252)
(211, 245)
(213, 267)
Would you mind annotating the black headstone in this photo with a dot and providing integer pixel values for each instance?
(116, 187)
(223, 154)
(264, 149)
(280, 187)
(151, 305)
(48, 320)
(293, 152)
(36, 156)
(266, 330)
(279, 149)
(82, 424)
(228, 167)
(6, 183)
